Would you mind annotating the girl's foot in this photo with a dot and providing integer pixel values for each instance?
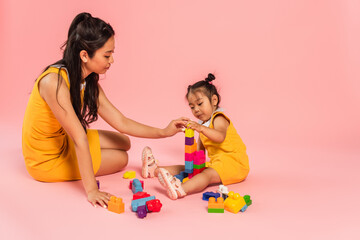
(149, 163)
(171, 183)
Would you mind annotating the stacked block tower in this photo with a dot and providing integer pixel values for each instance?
(194, 160)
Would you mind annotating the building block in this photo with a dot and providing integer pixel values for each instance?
(141, 211)
(185, 180)
(154, 205)
(199, 157)
(216, 206)
(189, 157)
(129, 174)
(207, 195)
(189, 141)
(198, 166)
(216, 210)
(247, 200)
(190, 149)
(136, 185)
(139, 195)
(244, 208)
(223, 190)
(189, 133)
(98, 184)
(181, 176)
(140, 202)
(188, 167)
(234, 203)
(116, 205)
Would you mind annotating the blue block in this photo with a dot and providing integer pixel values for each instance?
(136, 186)
(181, 175)
(189, 167)
(140, 202)
(207, 195)
(244, 208)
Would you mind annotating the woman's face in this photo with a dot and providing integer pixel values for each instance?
(101, 61)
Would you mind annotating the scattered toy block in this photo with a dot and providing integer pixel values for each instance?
(139, 195)
(140, 202)
(98, 184)
(185, 180)
(141, 211)
(154, 205)
(129, 175)
(207, 195)
(223, 190)
(216, 206)
(181, 176)
(116, 205)
(247, 200)
(234, 203)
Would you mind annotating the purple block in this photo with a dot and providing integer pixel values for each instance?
(189, 141)
(98, 184)
(141, 211)
(189, 157)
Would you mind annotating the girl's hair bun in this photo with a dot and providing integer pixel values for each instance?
(210, 78)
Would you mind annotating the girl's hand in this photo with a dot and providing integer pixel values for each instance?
(101, 198)
(175, 126)
(195, 126)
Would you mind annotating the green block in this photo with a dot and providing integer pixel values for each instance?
(215, 210)
(199, 166)
(247, 200)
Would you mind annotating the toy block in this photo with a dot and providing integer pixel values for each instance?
(188, 167)
(207, 195)
(129, 174)
(189, 141)
(98, 184)
(141, 211)
(197, 166)
(244, 208)
(189, 157)
(189, 133)
(131, 182)
(190, 175)
(199, 157)
(191, 149)
(136, 186)
(223, 190)
(116, 205)
(207, 164)
(234, 203)
(197, 171)
(140, 202)
(185, 180)
(139, 195)
(216, 210)
(154, 205)
(181, 176)
(247, 200)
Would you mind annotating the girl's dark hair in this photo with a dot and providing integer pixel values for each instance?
(206, 87)
(89, 34)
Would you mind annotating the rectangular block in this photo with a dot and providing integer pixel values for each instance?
(197, 171)
(189, 141)
(215, 210)
(198, 166)
(188, 167)
(199, 157)
(189, 157)
(190, 148)
(189, 132)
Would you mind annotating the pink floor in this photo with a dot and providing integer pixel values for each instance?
(298, 193)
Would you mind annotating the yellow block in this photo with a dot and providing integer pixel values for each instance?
(189, 133)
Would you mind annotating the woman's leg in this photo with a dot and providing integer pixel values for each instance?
(114, 147)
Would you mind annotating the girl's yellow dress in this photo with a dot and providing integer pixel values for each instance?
(229, 158)
(48, 150)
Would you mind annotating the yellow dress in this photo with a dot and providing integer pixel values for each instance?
(48, 150)
(229, 158)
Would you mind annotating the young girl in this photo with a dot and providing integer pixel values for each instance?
(57, 144)
(228, 159)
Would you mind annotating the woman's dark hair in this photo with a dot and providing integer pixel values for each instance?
(206, 87)
(89, 34)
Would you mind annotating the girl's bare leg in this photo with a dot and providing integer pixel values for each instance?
(200, 181)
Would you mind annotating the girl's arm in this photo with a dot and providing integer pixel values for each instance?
(216, 134)
(61, 106)
(125, 125)
(200, 145)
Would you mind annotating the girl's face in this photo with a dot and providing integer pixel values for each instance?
(102, 59)
(201, 107)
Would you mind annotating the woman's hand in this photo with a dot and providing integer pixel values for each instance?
(101, 198)
(175, 126)
(195, 126)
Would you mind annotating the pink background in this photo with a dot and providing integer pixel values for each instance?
(287, 71)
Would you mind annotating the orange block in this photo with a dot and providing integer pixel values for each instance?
(191, 149)
(216, 203)
(116, 205)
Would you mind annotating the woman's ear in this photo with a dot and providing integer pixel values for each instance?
(214, 100)
(84, 56)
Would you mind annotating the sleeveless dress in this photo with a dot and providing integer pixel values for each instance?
(48, 150)
(229, 158)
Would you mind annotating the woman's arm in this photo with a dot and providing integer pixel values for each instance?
(216, 134)
(128, 126)
(61, 106)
